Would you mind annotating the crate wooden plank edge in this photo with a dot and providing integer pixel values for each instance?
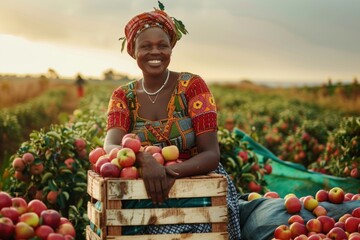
(160, 216)
(90, 235)
(125, 189)
(94, 215)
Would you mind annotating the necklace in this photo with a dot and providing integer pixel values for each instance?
(161, 88)
(153, 101)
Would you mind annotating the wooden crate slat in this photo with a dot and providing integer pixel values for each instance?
(183, 188)
(94, 215)
(90, 235)
(96, 186)
(131, 217)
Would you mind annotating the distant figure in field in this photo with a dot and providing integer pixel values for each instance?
(80, 85)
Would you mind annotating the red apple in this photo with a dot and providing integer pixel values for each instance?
(131, 142)
(310, 203)
(64, 220)
(50, 217)
(168, 163)
(314, 225)
(80, 144)
(327, 223)
(170, 153)
(36, 206)
(31, 218)
(295, 218)
(351, 224)
(152, 149)
(23, 231)
(354, 236)
(95, 154)
(36, 169)
(292, 205)
(336, 195)
(271, 194)
(268, 168)
(244, 156)
(254, 195)
(51, 197)
(355, 197)
(315, 237)
(340, 225)
(159, 158)
(55, 236)
(254, 186)
(356, 212)
(5, 200)
(20, 204)
(18, 164)
(129, 172)
(282, 232)
(43, 231)
(115, 161)
(109, 170)
(67, 229)
(69, 163)
(101, 161)
(322, 195)
(354, 173)
(297, 229)
(344, 217)
(319, 211)
(348, 196)
(7, 228)
(113, 153)
(301, 237)
(337, 233)
(10, 212)
(126, 157)
(28, 158)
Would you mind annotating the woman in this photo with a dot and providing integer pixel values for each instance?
(167, 108)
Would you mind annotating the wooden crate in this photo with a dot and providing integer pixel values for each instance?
(110, 219)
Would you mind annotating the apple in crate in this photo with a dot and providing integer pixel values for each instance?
(109, 170)
(10, 212)
(36, 206)
(43, 231)
(95, 154)
(51, 218)
(170, 153)
(5, 200)
(20, 204)
(126, 157)
(24, 231)
(101, 161)
(129, 173)
(152, 149)
(7, 228)
(131, 140)
(159, 158)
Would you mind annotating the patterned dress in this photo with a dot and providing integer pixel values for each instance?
(191, 112)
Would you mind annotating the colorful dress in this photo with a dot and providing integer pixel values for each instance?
(191, 112)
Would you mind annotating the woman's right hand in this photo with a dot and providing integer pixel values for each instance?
(155, 178)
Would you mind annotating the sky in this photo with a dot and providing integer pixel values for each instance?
(228, 40)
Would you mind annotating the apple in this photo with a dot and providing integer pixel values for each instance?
(344, 217)
(126, 157)
(314, 225)
(28, 158)
(319, 211)
(43, 231)
(340, 225)
(271, 194)
(355, 197)
(67, 229)
(55, 236)
(18, 164)
(5, 200)
(244, 156)
(315, 237)
(31, 218)
(159, 158)
(95, 154)
(322, 195)
(282, 232)
(168, 163)
(36, 169)
(295, 218)
(115, 161)
(336, 195)
(152, 149)
(129, 173)
(348, 196)
(354, 173)
(337, 233)
(113, 153)
(132, 142)
(20, 204)
(310, 203)
(289, 195)
(254, 195)
(50, 217)
(51, 197)
(10, 212)
(80, 144)
(254, 186)
(292, 205)
(268, 168)
(351, 224)
(23, 231)
(301, 237)
(69, 163)
(327, 223)
(36, 206)
(356, 212)
(354, 236)
(297, 229)
(101, 161)
(64, 220)
(109, 170)
(7, 228)
(170, 153)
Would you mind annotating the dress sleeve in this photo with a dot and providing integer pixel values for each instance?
(118, 111)
(201, 106)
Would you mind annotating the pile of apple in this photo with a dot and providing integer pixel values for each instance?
(32, 220)
(120, 162)
(321, 226)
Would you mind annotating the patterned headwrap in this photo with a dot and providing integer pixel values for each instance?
(157, 18)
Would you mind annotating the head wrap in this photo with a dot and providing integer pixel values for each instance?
(157, 18)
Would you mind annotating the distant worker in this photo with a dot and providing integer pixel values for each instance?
(80, 85)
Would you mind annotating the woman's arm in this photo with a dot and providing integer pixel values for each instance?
(113, 139)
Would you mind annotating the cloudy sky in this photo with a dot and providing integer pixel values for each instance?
(278, 40)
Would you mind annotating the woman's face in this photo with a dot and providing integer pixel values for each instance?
(153, 51)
